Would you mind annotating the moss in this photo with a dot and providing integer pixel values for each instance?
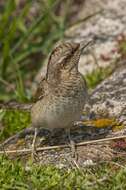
(13, 121)
(15, 175)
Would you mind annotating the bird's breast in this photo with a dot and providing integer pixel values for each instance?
(61, 108)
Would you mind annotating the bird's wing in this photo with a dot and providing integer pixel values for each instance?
(41, 90)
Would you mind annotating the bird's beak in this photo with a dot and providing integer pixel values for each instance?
(84, 45)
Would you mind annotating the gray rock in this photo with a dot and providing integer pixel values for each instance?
(108, 100)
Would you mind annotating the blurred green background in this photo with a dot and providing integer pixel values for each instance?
(28, 30)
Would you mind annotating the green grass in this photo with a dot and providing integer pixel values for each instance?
(97, 75)
(13, 121)
(25, 41)
(15, 175)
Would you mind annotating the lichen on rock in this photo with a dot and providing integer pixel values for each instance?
(108, 100)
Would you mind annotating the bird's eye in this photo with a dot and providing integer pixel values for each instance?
(72, 52)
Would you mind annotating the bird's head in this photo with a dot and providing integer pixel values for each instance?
(63, 60)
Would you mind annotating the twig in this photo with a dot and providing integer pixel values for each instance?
(62, 146)
(16, 106)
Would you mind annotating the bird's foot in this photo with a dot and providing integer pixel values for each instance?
(72, 145)
(73, 149)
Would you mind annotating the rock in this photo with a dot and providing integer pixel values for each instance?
(106, 26)
(108, 100)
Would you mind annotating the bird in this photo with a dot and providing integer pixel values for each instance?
(62, 94)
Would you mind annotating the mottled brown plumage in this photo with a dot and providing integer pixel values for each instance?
(62, 94)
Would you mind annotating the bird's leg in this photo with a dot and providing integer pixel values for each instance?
(33, 144)
(72, 144)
